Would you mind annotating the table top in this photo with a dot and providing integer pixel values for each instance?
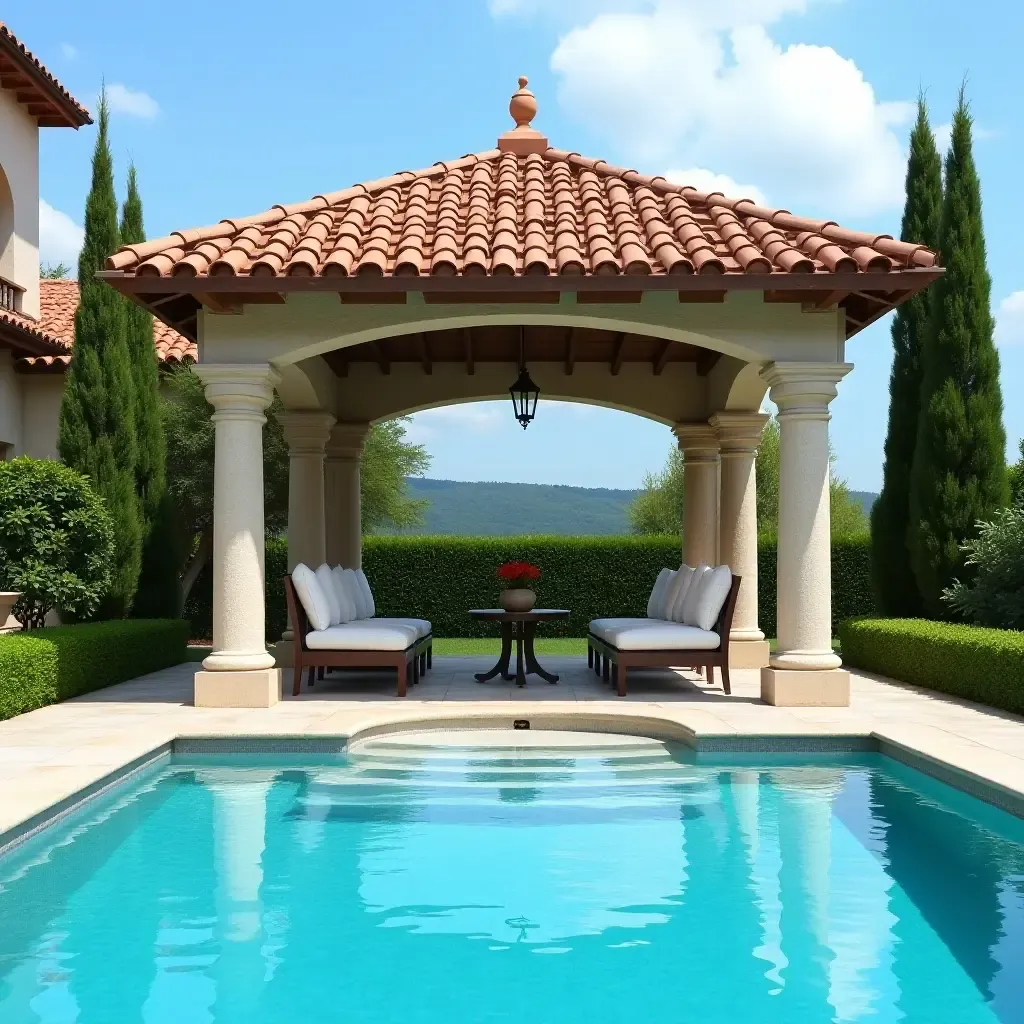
(534, 615)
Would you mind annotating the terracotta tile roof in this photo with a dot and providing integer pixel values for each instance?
(58, 301)
(500, 213)
(47, 100)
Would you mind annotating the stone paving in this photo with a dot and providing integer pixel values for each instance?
(49, 755)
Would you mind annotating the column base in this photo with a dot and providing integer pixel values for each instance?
(791, 688)
(748, 653)
(260, 688)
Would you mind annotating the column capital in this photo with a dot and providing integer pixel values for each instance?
(238, 390)
(697, 441)
(305, 430)
(804, 389)
(347, 440)
(739, 433)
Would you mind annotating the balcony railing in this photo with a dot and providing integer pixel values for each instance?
(9, 295)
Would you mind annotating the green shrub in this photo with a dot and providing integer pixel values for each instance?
(56, 539)
(50, 665)
(984, 665)
(439, 578)
(995, 595)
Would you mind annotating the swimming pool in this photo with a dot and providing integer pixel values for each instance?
(622, 880)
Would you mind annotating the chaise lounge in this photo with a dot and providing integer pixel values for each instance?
(342, 633)
(687, 626)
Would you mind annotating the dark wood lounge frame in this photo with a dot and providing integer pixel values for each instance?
(419, 654)
(611, 663)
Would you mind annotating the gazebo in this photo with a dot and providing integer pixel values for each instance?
(430, 287)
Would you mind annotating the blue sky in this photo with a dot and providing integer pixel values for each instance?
(227, 108)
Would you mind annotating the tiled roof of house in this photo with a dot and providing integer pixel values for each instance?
(58, 300)
(47, 100)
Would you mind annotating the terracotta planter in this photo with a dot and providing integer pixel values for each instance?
(8, 599)
(517, 599)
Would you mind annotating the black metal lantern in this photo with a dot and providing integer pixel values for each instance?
(524, 392)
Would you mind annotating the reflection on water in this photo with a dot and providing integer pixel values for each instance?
(420, 885)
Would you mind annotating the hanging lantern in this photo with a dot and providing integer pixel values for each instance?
(524, 392)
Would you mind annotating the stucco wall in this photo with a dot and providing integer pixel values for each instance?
(40, 416)
(19, 227)
(10, 407)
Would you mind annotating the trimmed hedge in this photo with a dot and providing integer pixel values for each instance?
(45, 666)
(984, 665)
(439, 578)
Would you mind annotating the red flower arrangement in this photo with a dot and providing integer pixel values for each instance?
(518, 575)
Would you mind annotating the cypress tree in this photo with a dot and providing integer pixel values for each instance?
(959, 471)
(152, 457)
(97, 416)
(896, 590)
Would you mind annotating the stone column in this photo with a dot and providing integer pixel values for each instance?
(240, 672)
(739, 434)
(306, 433)
(804, 669)
(699, 445)
(341, 491)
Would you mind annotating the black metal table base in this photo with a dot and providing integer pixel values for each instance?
(526, 659)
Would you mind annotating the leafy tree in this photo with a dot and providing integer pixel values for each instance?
(1016, 474)
(895, 586)
(995, 595)
(56, 539)
(658, 508)
(98, 433)
(54, 271)
(959, 473)
(388, 458)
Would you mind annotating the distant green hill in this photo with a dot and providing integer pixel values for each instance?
(501, 509)
(506, 510)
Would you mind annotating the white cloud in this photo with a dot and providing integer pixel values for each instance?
(708, 181)
(691, 83)
(70, 52)
(60, 238)
(133, 102)
(1010, 320)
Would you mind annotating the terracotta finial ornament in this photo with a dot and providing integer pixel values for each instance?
(522, 140)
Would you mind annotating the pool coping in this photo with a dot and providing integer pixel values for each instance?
(1007, 797)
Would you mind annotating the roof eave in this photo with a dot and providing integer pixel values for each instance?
(74, 115)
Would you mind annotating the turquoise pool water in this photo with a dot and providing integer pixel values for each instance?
(457, 884)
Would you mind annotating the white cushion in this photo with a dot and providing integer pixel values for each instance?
(361, 636)
(656, 602)
(652, 635)
(356, 593)
(676, 586)
(364, 583)
(422, 626)
(311, 596)
(714, 589)
(688, 607)
(675, 612)
(326, 581)
(348, 605)
(605, 627)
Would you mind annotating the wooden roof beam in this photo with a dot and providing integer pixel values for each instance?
(377, 351)
(467, 341)
(570, 353)
(706, 361)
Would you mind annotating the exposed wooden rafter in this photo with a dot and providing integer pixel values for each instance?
(619, 353)
(706, 361)
(424, 350)
(467, 339)
(570, 356)
(661, 359)
(381, 356)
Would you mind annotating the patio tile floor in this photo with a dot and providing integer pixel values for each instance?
(48, 755)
